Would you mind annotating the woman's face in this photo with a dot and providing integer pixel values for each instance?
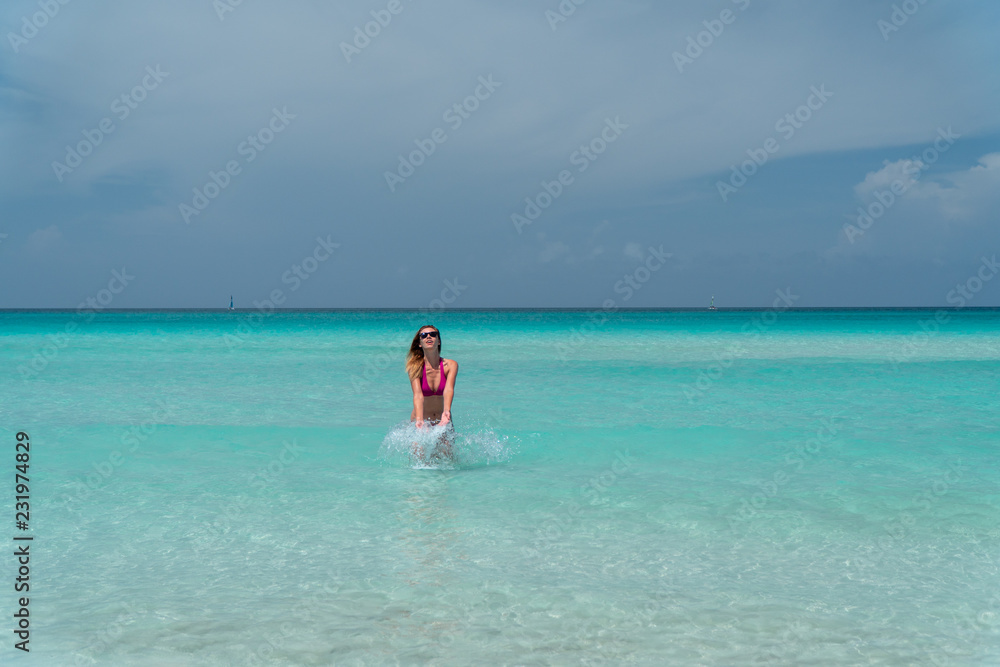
(429, 342)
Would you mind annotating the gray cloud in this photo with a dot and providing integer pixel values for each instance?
(325, 173)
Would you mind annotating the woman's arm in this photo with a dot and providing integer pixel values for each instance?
(449, 391)
(418, 402)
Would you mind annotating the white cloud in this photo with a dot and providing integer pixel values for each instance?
(904, 173)
(988, 162)
(967, 194)
(952, 195)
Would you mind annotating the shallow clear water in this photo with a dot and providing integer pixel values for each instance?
(718, 488)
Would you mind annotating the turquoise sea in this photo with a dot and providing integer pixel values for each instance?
(635, 487)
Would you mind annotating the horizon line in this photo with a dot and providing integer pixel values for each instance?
(490, 308)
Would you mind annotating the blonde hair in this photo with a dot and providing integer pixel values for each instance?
(415, 359)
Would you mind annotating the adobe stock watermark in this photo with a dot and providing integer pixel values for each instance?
(223, 7)
(591, 493)
(564, 10)
(960, 296)
(723, 361)
(794, 461)
(581, 158)
(787, 126)
(901, 13)
(895, 530)
(372, 29)
(38, 20)
(629, 284)
(86, 311)
(378, 363)
(967, 291)
(713, 29)
(455, 116)
(122, 106)
(263, 480)
(970, 629)
(911, 172)
(105, 468)
(297, 274)
(250, 148)
(272, 641)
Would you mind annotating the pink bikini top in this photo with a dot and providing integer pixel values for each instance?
(426, 388)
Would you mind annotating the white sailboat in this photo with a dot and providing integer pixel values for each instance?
(712, 305)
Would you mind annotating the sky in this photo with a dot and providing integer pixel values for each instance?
(583, 153)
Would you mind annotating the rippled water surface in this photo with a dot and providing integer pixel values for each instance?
(720, 488)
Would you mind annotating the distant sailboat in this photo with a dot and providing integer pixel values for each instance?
(712, 305)
(231, 302)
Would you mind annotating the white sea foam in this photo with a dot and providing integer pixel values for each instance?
(443, 447)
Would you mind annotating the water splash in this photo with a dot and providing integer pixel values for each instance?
(441, 448)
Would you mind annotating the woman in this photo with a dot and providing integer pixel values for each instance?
(432, 378)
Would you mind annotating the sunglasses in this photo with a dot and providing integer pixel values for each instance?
(425, 334)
